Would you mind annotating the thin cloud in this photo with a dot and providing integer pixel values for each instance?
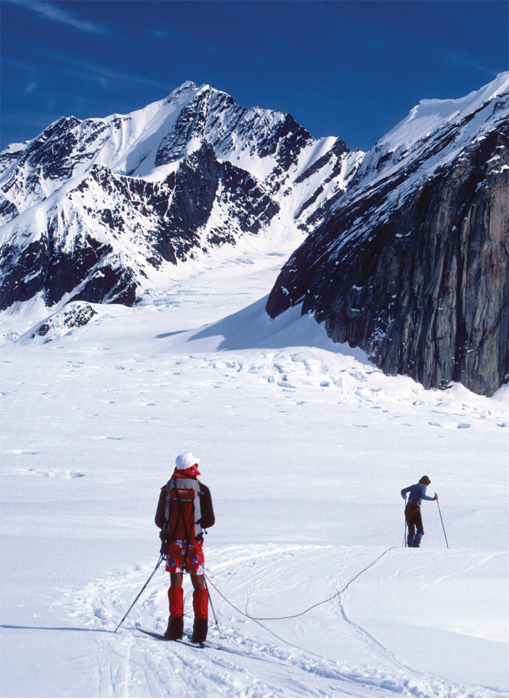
(57, 14)
(162, 35)
(458, 58)
(106, 77)
(29, 73)
(31, 87)
(34, 122)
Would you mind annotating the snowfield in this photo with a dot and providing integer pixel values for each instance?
(305, 446)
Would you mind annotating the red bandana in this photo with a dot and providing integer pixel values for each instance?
(191, 473)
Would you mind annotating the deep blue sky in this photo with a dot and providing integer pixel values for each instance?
(349, 68)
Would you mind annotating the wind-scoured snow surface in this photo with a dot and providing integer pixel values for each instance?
(305, 447)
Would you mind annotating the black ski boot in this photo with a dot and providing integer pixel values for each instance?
(175, 629)
(200, 629)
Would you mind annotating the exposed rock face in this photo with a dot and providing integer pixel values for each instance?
(413, 266)
(74, 315)
(97, 210)
(165, 219)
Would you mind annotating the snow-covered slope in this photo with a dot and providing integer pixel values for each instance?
(101, 209)
(431, 138)
(305, 447)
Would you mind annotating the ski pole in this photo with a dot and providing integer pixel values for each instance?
(443, 528)
(136, 599)
(405, 540)
(213, 611)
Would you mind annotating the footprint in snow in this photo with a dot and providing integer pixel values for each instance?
(463, 425)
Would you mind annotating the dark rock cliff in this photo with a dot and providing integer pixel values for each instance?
(424, 288)
(165, 219)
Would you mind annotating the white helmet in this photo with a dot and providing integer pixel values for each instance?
(185, 460)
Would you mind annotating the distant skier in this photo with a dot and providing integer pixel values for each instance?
(416, 494)
(183, 512)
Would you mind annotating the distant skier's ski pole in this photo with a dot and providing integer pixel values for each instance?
(136, 599)
(443, 528)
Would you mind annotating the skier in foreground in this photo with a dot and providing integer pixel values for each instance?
(417, 493)
(183, 512)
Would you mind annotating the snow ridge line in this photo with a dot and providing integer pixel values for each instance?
(322, 602)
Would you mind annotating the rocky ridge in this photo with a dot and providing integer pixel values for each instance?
(99, 210)
(413, 265)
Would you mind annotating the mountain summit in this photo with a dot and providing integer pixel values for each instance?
(407, 246)
(412, 266)
(99, 210)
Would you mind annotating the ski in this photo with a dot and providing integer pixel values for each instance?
(186, 641)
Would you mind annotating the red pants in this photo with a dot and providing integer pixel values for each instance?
(414, 519)
(200, 602)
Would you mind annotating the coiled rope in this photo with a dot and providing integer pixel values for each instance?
(322, 602)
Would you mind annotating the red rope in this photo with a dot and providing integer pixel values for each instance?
(289, 617)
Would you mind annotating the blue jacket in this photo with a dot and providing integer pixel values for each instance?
(417, 493)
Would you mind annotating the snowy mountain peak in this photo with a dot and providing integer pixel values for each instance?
(431, 115)
(436, 131)
(107, 203)
(187, 86)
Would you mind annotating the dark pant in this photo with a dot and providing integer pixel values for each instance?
(414, 522)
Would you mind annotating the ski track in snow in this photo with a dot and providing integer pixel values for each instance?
(131, 664)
